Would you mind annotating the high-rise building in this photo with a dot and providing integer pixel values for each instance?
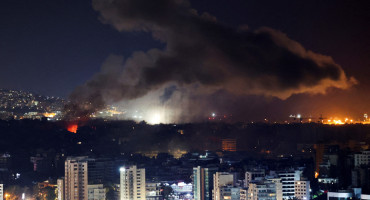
(302, 190)
(102, 170)
(96, 192)
(61, 191)
(76, 181)
(132, 185)
(278, 186)
(253, 175)
(203, 182)
(228, 144)
(288, 179)
(221, 180)
(1, 191)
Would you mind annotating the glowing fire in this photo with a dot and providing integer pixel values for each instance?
(49, 115)
(72, 128)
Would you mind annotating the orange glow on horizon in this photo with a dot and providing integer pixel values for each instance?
(72, 128)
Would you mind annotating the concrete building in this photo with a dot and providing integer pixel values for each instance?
(221, 180)
(76, 178)
(1, 191)
(61, 191)
(345, 194)
(253, 175)
(339, 196)
(203, 182)
(302, 190)
(278, 187)
(132, 183)
(96, 192)
(362, 158)
(264, 190)
(288, 179)
(243, 194)
(153, 191)
(230, 193)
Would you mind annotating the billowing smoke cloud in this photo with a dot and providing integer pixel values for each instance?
(201, 56)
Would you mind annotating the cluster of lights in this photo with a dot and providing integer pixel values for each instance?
(333, 120)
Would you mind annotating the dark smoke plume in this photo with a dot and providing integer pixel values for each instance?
(203, 53)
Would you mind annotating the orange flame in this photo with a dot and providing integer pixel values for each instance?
(72, 128)
(316, 174)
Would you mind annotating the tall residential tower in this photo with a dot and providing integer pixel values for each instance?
(132, 185)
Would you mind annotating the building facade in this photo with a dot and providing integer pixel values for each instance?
(96, 192)
(302, 190)
(288, 179)
(1, 191)
(76, 178)
(221, 180)
(132, 183)
(362, 158)
(264, 190)
(253, 175)
(203, 182)
(60, 186)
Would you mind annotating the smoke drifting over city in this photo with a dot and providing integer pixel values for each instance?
(201, 58)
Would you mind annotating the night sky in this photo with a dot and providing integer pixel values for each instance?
(51, 47)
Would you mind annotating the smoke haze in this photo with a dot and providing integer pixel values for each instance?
(202, 58)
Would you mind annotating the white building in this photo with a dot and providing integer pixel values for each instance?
(1, 191)
(354, 193)
(362, 159)
(302, 190)
(288, 179)
(60, 187)
(75, 181)
(132, 183)
(339, 195)
(96, 192)
(221, 180)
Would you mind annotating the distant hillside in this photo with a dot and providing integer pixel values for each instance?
(20, 102)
